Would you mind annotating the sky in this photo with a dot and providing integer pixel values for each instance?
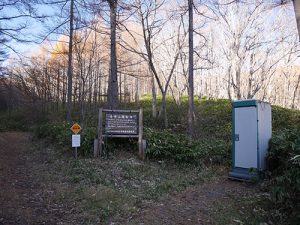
(37, 29)
(34, 30)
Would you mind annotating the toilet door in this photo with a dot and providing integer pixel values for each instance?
(245, 126)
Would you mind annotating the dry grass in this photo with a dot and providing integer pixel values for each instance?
(99, 190)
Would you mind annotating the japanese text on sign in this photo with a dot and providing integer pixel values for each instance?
(121, 123)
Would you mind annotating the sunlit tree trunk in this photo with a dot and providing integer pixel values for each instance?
(64, 87)
(70, 66)
(191, 71)
(238, 83)
(112, 92)
(229, 83)
(163, 109)
(153, 96)
(295, 92)
(297, 13)
(137, 89)
(58, 90)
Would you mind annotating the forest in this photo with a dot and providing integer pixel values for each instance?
(184, 63)
(241, 50)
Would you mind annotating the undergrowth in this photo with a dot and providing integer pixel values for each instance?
(284, 182)
(15, 121)
(60, 134)
(179, 147)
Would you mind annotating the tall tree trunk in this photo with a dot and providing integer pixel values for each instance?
(70, 66)
(90, 90)
(251, 72)
(153, 96)
(10, 97)
(120, 88)
(163, 109)
(285, 91)
(229, 84)
(64, 78)
(126, 92)
(58, 90)
(96, 91)
(249, 95)
(238, 83)
(80, 88)
(83, 99)
(295, 92)
(136, 96)
(191, 71)
(113, 79)
(297, 13)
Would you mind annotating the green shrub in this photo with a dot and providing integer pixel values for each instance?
(179, 147)
(15, 121)
(213, 119)
(176, 114)
(87, 140)
(60, 134)
(285, 174)
(283, 118)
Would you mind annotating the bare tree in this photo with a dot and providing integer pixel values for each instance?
(151, 27)
(297, 13)
(15, 20)
(70, 63)
(113, 78)
(191, 69)
(245, 34)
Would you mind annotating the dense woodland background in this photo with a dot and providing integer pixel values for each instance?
(241, 50)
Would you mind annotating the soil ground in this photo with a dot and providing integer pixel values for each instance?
(24, 195)
(193, 206)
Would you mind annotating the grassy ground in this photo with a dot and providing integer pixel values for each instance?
(121, 188)
(117, 186)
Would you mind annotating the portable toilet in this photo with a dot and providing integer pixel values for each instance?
(251, 132)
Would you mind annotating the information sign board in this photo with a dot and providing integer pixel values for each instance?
(75, 140)
(121, 123)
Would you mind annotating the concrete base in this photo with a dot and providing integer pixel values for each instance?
(242, 174)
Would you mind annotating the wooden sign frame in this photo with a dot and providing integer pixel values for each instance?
(127, 132)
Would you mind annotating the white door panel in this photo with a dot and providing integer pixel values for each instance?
(246, 137)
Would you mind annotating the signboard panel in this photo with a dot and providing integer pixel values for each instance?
(121, 123)
(75, 140)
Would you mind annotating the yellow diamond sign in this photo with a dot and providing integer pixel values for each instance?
(76, 128)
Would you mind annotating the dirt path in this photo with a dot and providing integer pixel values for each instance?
(21, 201)
(193, 206)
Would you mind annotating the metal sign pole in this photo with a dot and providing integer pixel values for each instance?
(75, 152)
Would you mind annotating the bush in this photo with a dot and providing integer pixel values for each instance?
(15, 121)
(60, 134)
(283, 118)
(179, 147)
(87, 140)
(57, 132)
(285, 174)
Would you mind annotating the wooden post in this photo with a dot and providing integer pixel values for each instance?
(99, 152)
(140, 141)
